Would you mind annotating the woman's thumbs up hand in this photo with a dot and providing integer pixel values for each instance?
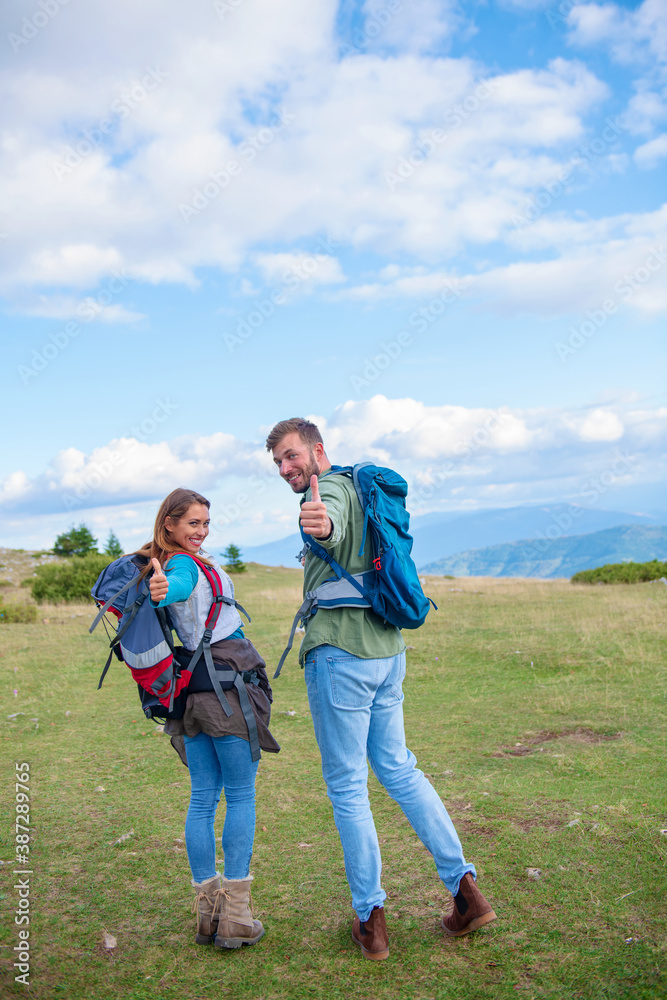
(158, 583)
(314, 518)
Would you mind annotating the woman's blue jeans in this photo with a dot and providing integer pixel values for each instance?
(216, 763)
(357, 710)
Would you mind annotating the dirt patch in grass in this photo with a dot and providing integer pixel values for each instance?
(533, 743)
(549, 823)
(473, 829)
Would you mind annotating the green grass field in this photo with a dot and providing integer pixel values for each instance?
(536, 708)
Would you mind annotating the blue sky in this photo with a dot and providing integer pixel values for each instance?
(440, 229)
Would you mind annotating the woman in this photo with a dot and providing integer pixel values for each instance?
(214, 745)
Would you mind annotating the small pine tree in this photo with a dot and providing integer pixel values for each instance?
(113, 547)
(233, 556)
(75, 542)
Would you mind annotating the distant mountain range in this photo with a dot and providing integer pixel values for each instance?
(545, 558)
(435, 538)
(439, 536)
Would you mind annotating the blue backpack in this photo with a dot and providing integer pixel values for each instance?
(143, 640)
(392, 588)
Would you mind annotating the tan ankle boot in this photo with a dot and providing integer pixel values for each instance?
(235, 923)
(206, 905)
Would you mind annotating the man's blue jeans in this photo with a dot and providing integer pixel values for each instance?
(357, 710)
(217, 762)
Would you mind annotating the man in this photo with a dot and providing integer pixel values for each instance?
(354, 669)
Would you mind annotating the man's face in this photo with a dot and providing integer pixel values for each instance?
(296, 461)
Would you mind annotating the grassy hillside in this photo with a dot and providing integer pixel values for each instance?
(558, 557)
(537, 710)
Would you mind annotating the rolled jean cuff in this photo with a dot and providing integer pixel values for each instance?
(455, 887)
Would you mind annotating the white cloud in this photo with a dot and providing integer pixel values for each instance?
(299, 269)
(636, 37)
(387, 430)
(630, 32)
(650, 154)
(417, 26)
(646, 110)
(633, 274)
(339, 126)
(14, 487)
(128, 469)
(269, 139)
(407, 283)
(78, 265)
(67, 307)
(601, 425)
(622, 259)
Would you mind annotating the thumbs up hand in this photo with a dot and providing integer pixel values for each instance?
(314, 518)
(158, 583)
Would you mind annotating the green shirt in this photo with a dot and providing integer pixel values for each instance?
(356, 630)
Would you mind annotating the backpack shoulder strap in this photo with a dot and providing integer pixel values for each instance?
(360, 496)
(355, 479)
(219, 598)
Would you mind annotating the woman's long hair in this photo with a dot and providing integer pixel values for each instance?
(162, 545)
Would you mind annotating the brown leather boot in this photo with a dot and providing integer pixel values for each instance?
(235, 923)
(371, 935)
(206, 904)
(470, 911)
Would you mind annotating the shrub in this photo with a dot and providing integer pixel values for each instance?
(6, 583)
(68, 582)
(17, 613)
(629, 572)
(75, 542)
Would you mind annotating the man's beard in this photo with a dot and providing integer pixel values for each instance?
(312, 469)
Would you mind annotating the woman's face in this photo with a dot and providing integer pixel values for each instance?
(191, 530)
